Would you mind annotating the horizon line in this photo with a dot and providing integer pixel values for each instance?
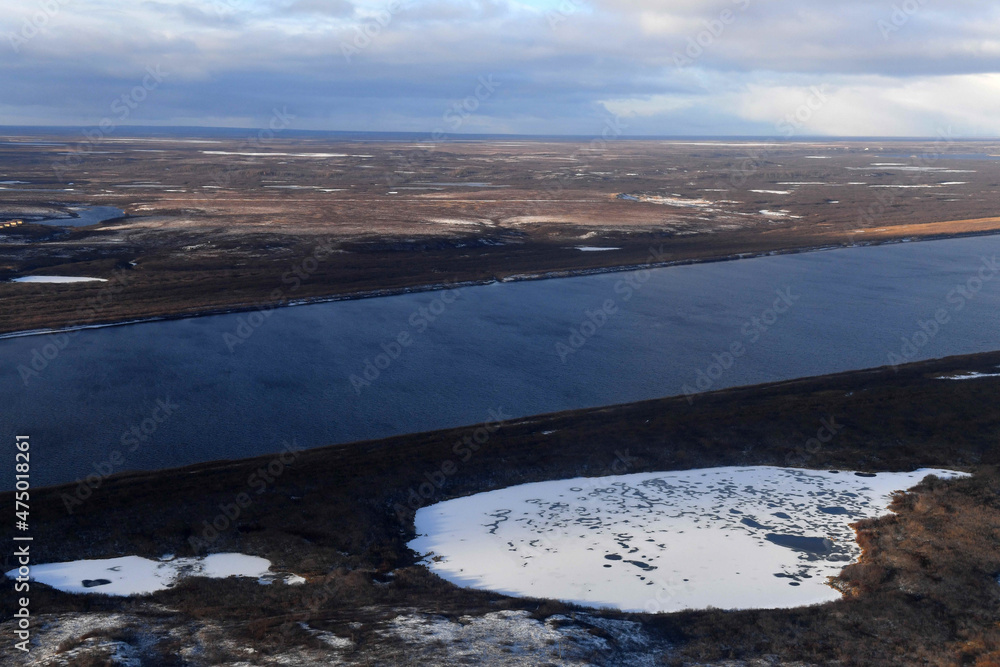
(436, 137)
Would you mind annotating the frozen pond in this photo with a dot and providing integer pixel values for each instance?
(133, 575)
(732, 538)
(57, 279)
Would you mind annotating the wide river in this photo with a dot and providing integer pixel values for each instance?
(231, 391)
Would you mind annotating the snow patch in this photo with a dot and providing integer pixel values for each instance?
(57, 279)
(675, 200)
(779, 214)
(733, 538)
(134, 575)
(971, 375)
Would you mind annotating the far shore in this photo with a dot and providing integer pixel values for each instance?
(417, 287)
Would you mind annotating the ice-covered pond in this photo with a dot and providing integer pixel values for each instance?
(133, 575)
(732, 538)
(83, 216)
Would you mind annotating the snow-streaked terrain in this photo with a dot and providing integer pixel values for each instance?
(134, 575)
(751, 537)
(971, 375)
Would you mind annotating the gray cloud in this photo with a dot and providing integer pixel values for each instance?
(685, 67)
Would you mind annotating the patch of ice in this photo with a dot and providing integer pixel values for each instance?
(901, 167)
(57, 279)
(736, 537)
(134, 575)
(220, 566)
(778, 214)
(772, 192)
(592, 248)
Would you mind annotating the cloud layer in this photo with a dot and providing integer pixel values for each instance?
(776, 68)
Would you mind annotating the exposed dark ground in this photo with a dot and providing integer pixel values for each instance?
(207, 229)
(924, 593)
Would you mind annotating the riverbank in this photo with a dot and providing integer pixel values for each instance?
(115, 301)
(225, 230)
(341, 516)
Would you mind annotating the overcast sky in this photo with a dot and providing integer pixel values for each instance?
(677, 67)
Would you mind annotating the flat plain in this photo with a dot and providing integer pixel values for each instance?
(219, 224)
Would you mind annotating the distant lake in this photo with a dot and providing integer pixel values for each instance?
(495, 347)
(83, 216)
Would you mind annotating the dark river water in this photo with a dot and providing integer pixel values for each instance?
(233, 386)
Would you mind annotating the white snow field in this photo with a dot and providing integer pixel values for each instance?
(134, 575)
(732, 538)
